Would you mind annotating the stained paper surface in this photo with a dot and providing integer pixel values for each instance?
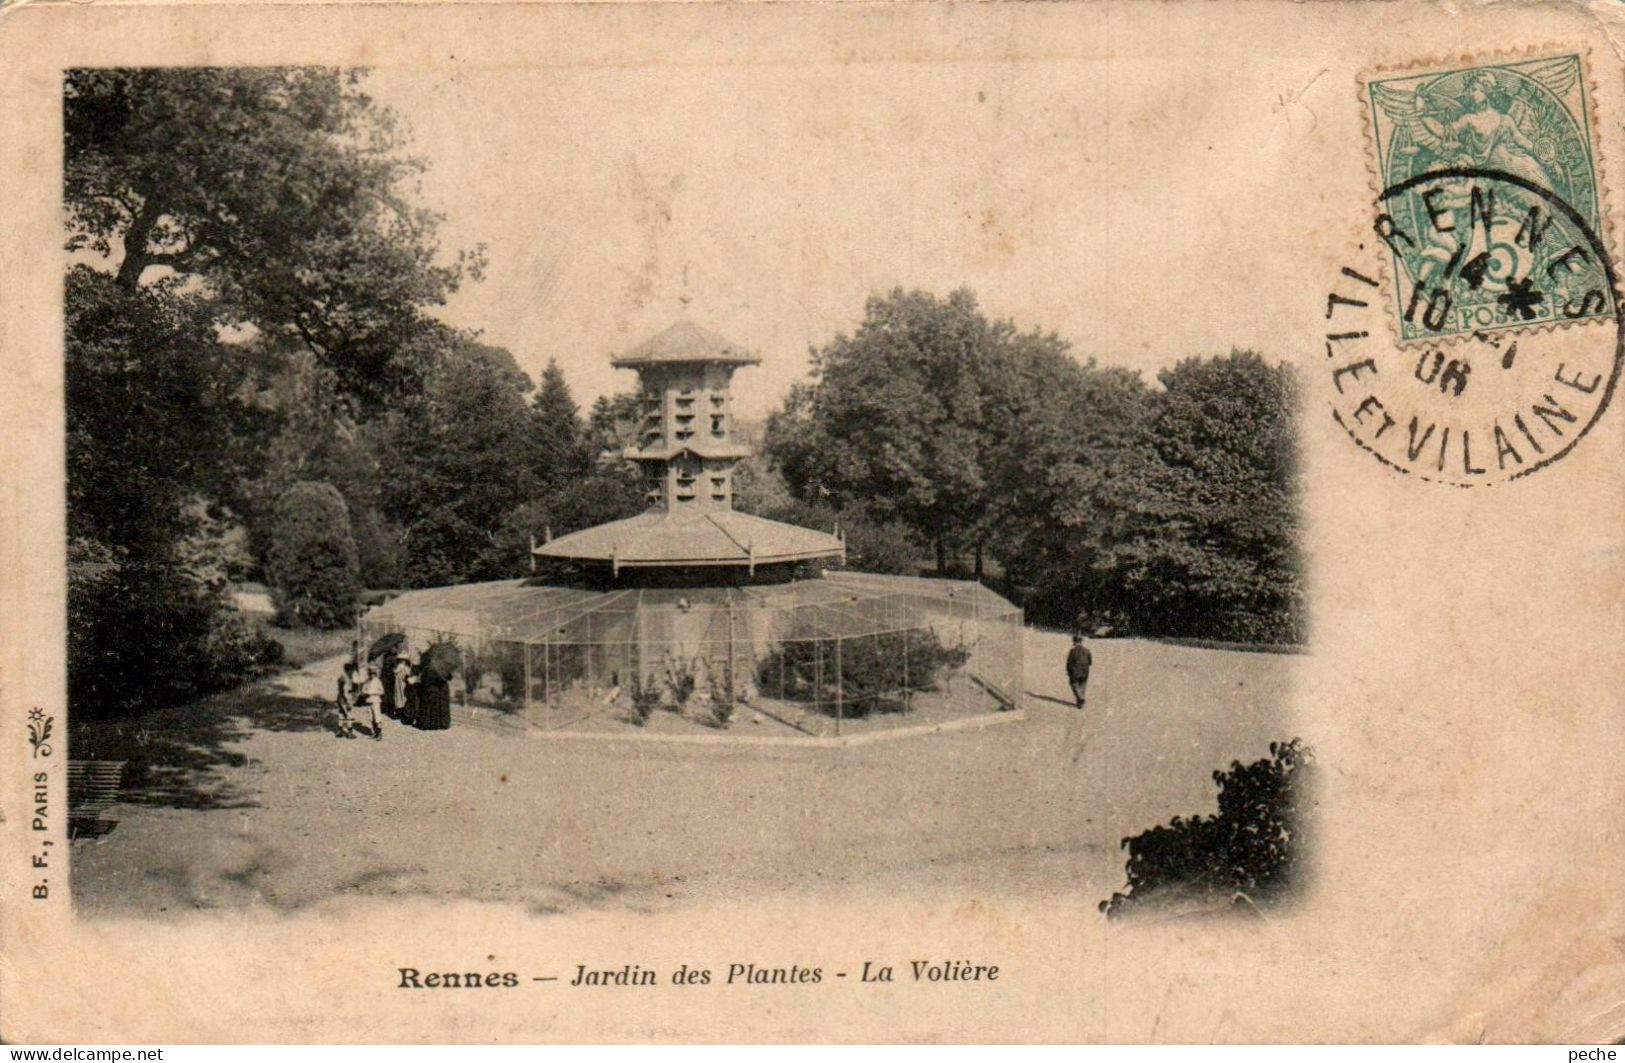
(1149, 181)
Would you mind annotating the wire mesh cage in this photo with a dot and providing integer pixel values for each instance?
(813, 655)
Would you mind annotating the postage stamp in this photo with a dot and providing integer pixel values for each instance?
(1451, 338)
(1464, 265)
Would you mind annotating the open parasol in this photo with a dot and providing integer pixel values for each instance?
(442, 659)
(385, 644)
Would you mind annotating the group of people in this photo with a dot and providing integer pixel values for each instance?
(411, 694)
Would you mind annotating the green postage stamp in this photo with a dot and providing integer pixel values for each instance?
(1491, 197)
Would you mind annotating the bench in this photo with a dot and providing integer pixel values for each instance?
(93, 787)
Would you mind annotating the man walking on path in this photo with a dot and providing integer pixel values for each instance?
(1077, 668)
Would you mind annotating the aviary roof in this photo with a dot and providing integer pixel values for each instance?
(685, 342)
(703, 536)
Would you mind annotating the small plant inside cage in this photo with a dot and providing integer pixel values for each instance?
(646, 698)
(723, 705)
(679, 679)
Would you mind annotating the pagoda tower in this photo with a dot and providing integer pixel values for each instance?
(687, 451)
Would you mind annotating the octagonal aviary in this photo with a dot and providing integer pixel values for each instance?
(692, 616)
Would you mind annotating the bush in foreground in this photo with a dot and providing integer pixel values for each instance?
(1252, 848)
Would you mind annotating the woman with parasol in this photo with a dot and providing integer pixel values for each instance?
(435, 669)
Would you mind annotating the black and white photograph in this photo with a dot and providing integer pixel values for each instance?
(859, 593)
(910, 510)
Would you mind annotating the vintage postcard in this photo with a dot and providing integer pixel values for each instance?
(932, 522)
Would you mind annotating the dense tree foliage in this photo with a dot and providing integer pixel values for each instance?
(317, 440)
(563, 449)
(1211, 542)
(153, 414)
(612, 426)
(144, 631)
(283, 189)
(461, 456)
(872, 545)
(895, 417)
(1107, 503)
(251, 288)
(312, 566)
(155, 449)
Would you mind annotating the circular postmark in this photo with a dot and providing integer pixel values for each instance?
(1499, 341)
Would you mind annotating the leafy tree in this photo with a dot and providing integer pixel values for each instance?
(238, 215)
(1210, 546)
(312, 566)
(611, 491)
(153, 414)
(318, 440)
(760, 488)
(1166, 512)
(894, 417)
(157, 439)
(145, 632)
(459, 457)
(281, 189)
(508, 554)
(562, 453)
(871, 545)
(472, 497)
(1068, 449)
(613, 425)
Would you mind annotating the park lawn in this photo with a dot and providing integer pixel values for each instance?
(304, 645)
(300, 645)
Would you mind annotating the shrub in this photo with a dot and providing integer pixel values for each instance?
(510, 665)
(680, 682)
(554, 667)
(312, 568)
(506, 659)
(1252, 847)
(872, 673)
(145, 634)
(646, 697)
(722, 696)
(474, 667)
(377, 547)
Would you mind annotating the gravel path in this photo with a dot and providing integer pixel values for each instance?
(248, 800)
